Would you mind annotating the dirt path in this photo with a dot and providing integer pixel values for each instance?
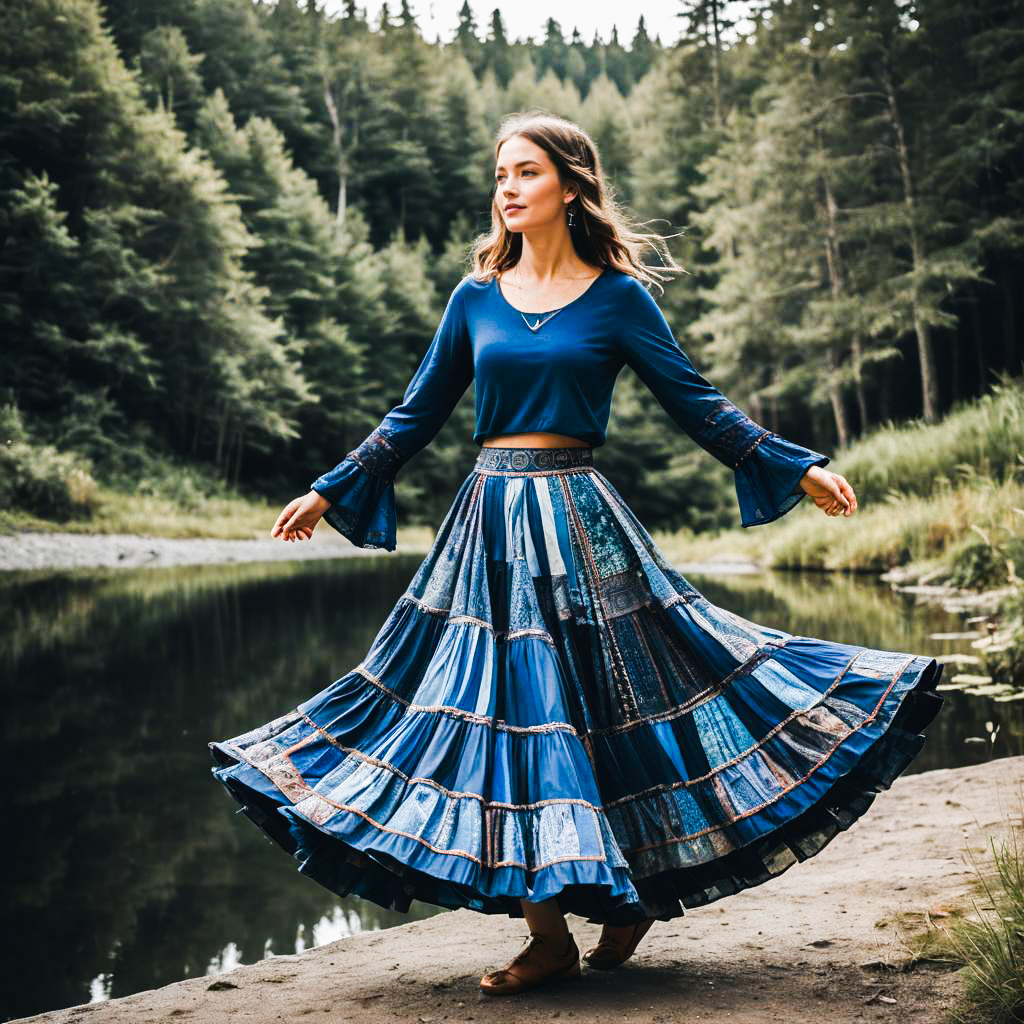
(808, 946)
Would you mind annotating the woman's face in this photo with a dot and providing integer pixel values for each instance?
(525, 177)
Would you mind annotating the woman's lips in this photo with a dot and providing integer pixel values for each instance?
(514, 209)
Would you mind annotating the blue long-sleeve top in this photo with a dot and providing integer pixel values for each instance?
(559, 379)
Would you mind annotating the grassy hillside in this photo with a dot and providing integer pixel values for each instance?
(944, 495)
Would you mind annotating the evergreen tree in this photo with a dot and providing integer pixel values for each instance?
(617, 63)
(642, 50)
(706, 23)
(467, 40)
(496, 50)
(169, 73)
(552, 53)
(168, 325)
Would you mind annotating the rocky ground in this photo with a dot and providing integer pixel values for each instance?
(824, 941)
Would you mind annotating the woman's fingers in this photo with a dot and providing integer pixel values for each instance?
(847, 491)
(840, 499)
(283, 518)
(293, 522)
(289, 522)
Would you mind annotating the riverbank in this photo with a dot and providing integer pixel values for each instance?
(41, 551)
(834, 936)
(32, 550)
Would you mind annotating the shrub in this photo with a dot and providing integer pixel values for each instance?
(983, 564)
(45, 482)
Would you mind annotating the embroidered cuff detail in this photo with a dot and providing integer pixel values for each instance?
(729, 434)
(361, 491)
(767, 484)
(377, 455)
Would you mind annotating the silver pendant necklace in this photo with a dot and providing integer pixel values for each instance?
(535, 327)
(540, 323)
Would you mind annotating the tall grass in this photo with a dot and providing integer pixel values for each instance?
(929, 531)
(991, 943)
(982, 437)
(924, 491)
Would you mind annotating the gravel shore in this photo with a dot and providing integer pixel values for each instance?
(132, 551)
(27, 550)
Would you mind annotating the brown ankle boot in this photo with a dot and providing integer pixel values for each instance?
(544, 959)
(611, 952)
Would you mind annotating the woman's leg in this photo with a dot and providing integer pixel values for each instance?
(546, 918)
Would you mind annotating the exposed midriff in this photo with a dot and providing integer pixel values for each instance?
(540, 439)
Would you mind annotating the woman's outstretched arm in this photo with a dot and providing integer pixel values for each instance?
(771, 473)
(357, 496)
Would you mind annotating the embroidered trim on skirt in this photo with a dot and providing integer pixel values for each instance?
(550, 709)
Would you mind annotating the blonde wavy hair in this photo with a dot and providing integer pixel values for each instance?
(601, 235)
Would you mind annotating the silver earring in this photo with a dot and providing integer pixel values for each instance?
(572, 214)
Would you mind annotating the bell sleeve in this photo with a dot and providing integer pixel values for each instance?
(361, 488)
(767, 467)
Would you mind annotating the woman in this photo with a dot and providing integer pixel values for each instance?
(552, 719)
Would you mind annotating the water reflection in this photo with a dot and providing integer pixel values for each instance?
(127, 863)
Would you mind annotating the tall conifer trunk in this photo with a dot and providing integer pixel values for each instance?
(925, 352)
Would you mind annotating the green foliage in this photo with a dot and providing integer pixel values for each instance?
(169, 72)
(1002, 653)
(981, 565)
(136, 289)
(992, 562)
(37, 478)
(228, 229)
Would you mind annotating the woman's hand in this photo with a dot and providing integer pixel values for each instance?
(830, 491)
(300, 516)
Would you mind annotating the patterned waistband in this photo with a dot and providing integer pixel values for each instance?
(534, 460)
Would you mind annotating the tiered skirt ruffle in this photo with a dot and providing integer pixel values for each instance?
(551, 710)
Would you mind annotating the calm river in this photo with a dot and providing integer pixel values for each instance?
(127, 865)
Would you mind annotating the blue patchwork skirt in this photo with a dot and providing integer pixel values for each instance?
(552, 710)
